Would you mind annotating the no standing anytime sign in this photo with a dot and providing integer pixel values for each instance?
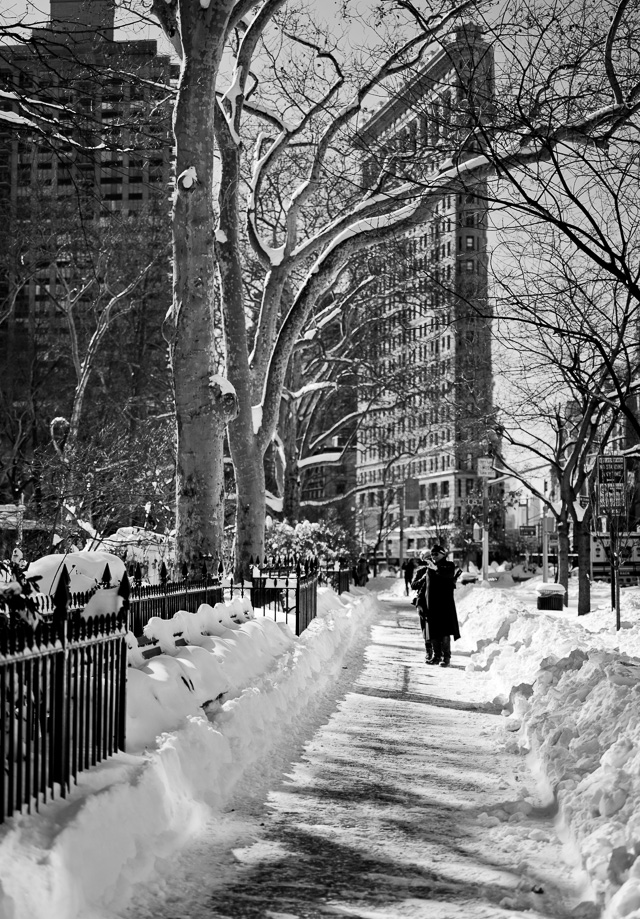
(612, 485)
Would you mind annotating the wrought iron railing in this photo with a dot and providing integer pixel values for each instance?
(63, 679)
(62, 698)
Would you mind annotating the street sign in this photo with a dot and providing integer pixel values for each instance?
(528, 531)
(485, 467)
(612, 485)
(412, 494)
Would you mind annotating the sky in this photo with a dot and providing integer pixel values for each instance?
(565, 689)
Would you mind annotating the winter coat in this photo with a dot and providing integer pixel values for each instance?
(409, 569)
(362, 570)
(435, 588)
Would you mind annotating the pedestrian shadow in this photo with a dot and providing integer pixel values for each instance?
(317, 875)
(486, 708)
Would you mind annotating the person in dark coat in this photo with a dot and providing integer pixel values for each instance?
(409, 569)
(362, 571)
(435, 583)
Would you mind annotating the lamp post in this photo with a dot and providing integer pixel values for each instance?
(545, 547)
(20, 519)
(401, 527)
(485, 472)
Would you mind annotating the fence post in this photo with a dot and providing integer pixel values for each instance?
(185, 575)
(124, 591)
(106, 576)
(59, 740)
(164, 577)
(298, 597)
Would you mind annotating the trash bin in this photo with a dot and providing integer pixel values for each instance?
(550, 601)
(550, 596)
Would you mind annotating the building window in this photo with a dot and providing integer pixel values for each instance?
(469, 265)
(469, 242)
(445, 489)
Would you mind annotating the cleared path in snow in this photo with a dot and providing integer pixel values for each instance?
(384, 814)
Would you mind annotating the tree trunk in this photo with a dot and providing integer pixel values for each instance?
(563, 556)
(289, 427)
(203, 405)
(250, 511)
(583, 544)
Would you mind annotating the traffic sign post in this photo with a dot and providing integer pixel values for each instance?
(611, 497)
(612, 486)
(528, 532)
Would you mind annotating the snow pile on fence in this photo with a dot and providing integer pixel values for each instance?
(570, 688)
(83, 857)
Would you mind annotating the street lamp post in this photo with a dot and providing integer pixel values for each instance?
(401, 527)
(485, 472)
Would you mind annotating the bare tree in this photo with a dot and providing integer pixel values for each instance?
(552, 413)
(306, 126)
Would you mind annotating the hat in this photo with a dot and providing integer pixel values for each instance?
(439, 549)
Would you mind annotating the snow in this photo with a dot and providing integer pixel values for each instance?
(321, 459)
(202, 715)
(199, 717)
(311, 388)
(224, 385)
(85, 570)
(275, 502)
(570, 690)
(275, 255)
(221, 236)
(256, 413)
(188, 178)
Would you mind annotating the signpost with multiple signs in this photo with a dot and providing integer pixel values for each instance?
(611, 484)
(611, 501)
(485, 472)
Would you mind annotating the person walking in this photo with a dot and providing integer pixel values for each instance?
(409, 569)
(435, 583)
(362, 571)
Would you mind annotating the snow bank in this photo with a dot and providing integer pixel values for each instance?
(570, 691)
(82, 857)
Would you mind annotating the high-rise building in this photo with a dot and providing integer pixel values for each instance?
(85, 176)
(418, 450)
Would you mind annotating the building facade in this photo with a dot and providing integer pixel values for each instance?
(84, 201)
(417, 456)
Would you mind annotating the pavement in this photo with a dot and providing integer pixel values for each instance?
(387, 812)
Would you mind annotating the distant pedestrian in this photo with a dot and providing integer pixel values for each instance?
(362, 571)
(435, 583)
(409, 568)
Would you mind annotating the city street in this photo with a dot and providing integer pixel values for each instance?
(389, 809)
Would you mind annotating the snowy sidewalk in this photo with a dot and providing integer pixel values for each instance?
(390, 811)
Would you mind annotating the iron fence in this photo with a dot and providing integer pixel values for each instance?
(340, 579)
(286, 590)
(63, 680)
(62, 698)
(167, 597)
